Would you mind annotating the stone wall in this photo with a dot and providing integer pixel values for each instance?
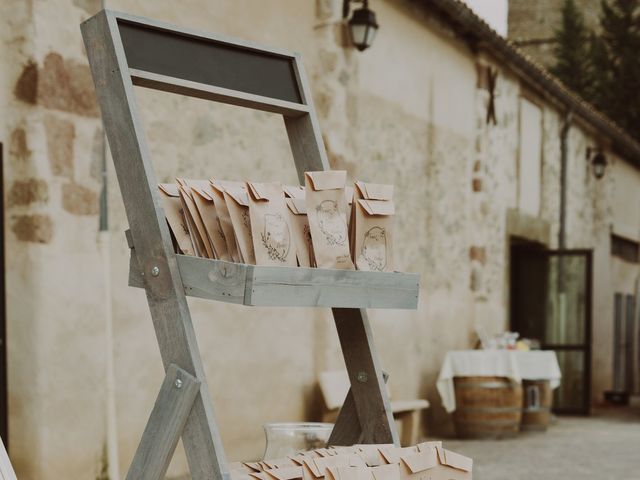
(411, 111)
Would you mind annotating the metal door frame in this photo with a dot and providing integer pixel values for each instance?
(587, 346)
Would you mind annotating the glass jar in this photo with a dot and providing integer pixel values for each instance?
(284, 439)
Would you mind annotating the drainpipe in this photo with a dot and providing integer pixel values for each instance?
(564, 133)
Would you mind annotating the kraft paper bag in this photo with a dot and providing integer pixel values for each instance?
(237, 201)
(217, 193)
(173, 211)
(273, 242)
(194, 219)
(373, 236)
(327, 212)
(297, 210)
(203, 197)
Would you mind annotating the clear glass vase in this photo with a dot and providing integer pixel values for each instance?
(284, 439)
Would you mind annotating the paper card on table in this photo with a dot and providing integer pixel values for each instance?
(238, 204)
(428, 445)
(316, 466)
(172, 206)
(413, 466)
(348, 473)
(203, 197)
(281, 463)
(297, 211)
(254, 466)
(194, 219)
(259, 475)
(339, 450)
(393, 454)
(386, 472)
(286, 473)
(372, 236)
(326, 209)
(370, 453)
(273, 242)
(217, 193)
(455, 460)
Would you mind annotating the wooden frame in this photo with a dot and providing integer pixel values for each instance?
(124, 51)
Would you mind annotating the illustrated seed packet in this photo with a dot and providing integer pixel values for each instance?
(172, 206)
(297, 210)
(194, 220)
(326, 209)
(373, 231)
(237, 202)
(202, 194)
(273, 242)
(217, 193)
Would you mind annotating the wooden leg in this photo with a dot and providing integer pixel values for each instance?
(410, 422)
(366, 414)
(166, 423)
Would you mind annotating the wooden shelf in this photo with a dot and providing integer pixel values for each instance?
(291, 286)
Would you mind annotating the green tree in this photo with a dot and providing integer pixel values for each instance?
(572, 48)
(615, 58)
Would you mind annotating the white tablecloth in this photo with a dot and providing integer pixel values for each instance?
(513, 364)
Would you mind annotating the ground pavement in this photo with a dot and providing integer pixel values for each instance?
(601, 447)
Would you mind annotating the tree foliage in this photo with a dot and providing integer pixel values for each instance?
(603, 66)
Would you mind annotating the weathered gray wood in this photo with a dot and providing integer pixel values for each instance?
(347, 430)
(167, 278)
(6, 469)
(304, 133)
(370, 397)
(149, 232)
(297, 286)
(291, 286)
(217, 94)
(166, 422)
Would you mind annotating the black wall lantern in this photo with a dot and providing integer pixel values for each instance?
(362, 24)
(598, 162)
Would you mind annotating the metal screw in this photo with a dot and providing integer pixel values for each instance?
(155, 271)
(178, 383)
(362, 377)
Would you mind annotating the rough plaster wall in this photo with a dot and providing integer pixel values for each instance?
(54, 288)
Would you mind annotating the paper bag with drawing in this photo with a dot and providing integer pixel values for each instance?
(195, 224)
(203, 197)
(300, 225)
(326, 208)
(217, 193)
(372, 238)
(273, 242)
(237, 202)
(172, 206)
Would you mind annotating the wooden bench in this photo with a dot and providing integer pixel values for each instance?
(334, 387)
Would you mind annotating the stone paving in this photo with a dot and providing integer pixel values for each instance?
(601, 447)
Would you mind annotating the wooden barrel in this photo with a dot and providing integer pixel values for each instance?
(536, 404)
(487, 407)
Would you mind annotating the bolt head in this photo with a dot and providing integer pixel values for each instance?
(178, 383)
(362, 377)
(155, 271)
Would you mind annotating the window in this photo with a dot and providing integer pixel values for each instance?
(625, 249)
(530, 158)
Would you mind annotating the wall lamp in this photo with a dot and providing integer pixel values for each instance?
(362, 24)
(598, 161)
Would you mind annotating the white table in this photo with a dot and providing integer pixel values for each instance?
(513, 364)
